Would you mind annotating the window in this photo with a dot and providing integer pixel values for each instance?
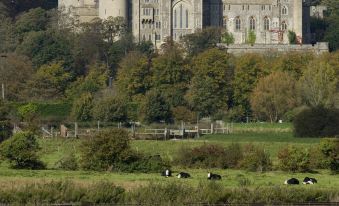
(175, 18)
(237, 24)
(187, 19)
(283, 26)
(181, 16)
(266, 23)
(284, 10)
(252, 23)
(224, 22)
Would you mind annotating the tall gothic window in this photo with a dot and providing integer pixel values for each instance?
(224, 22)
(181, 16)
(284, 10)
(187, 15)
(175, 19)
(252, 23)
(237, 23)
(283, 26)
(266, 23)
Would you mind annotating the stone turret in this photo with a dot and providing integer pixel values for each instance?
(114, 8)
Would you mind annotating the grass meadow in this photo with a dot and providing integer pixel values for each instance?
(271, 137)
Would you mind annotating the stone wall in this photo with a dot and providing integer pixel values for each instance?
(319, 48)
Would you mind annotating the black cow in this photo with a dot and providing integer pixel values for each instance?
(212, 176)
(292, 181)
(167, 173)
(309, 181)
(183, 175)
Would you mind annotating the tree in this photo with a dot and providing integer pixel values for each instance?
(210, 87)
(22, 151)
(332, 31)
(5, 125)
(8, 37)
(248, 69)
(110, 108)
(318, 85)
(105, 150)
(114, 27)
(134, 76)
(201, 40)
(15, 72)
(29, 114)
(273, 96)
(227, 38)
(50, 81)
(82, 107)
(155, 108)
(252, 37)
(292, 37)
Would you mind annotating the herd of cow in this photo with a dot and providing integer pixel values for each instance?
(211, 176)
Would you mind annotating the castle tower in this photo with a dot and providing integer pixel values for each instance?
(114, 8)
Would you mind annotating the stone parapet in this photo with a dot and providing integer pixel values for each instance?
(319, 48)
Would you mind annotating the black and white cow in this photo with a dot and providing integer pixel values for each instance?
(309, 181)
(292, 181)
(183, 175)
(212, 176)
(167, 173)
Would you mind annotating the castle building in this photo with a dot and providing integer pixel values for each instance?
(156, 20)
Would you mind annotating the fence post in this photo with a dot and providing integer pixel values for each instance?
(212, 128)
(75, 129)
(98, 126)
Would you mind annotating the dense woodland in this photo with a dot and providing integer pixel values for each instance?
(48, 57)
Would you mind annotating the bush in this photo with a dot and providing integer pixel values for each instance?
(294, 159)
(5, 130)
(205, 156)
(21, 151)
(330, 150)
(109, 109)
(255, 159)
(68, 162)
(144, 164)
(317, 122)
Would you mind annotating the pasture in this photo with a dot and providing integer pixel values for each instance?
(272, 138)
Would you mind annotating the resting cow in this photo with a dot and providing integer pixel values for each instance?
(292, 181)
(309, 181)
(212, 176)
(183, 175)
(167, 173)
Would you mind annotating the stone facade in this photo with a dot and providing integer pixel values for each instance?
(156, 20)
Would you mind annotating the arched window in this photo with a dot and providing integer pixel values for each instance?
(284, 10)
(187, 18)
(252, 23)
(283, 26)
(237, 23)
(175, 19)
(266, 23)
(181, 16)
(224, 22)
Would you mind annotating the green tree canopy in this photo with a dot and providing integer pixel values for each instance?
(155, 108)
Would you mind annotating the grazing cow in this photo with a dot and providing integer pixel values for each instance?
(292, 181)
(309, 181)
(167, 173)
(183, 175)
(212, 176)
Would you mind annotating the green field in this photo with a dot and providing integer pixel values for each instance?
(54, 149)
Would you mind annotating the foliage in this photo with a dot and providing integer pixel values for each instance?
(201, 40)
(251, 38)
(5, 124)
(50, 81)
(68, 162)
(110, 108)
(292, 37)
(29, 114)
(273, 96)
(317, 122)
(227, 38)
(318, 85)
(22, 151)
(184, 114)
(205, 156)
(106, 149)
(145, 164)
(294, 159)
(330, 149)
(155, 108)
(82, 107)
(211, 82)
(255, 159)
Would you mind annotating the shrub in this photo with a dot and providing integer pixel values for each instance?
(292, 37)
(330, 150)
(234, 154)
(21, 151)
(68, 162)
(5, 130)
(146, 164)
(255, 159)
(294, 159)
(205, 156)
(317, 122)
(82, 107)
(110, 108)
